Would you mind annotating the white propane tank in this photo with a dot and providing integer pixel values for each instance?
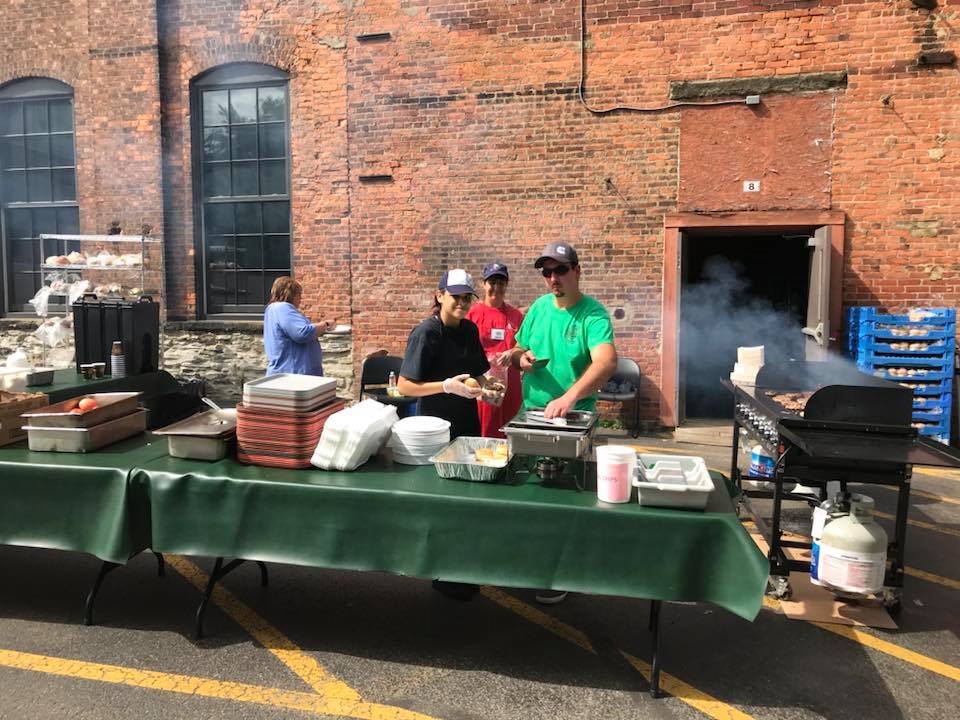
(853, 551)
(824, 513)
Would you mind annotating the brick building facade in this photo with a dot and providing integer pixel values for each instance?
(427, 134)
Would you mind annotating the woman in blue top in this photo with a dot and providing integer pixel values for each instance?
(289, 338)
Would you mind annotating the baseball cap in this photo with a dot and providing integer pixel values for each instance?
(457, 282)
(495, 268)
(559, 251)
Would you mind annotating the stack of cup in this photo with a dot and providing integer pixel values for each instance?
(118, 361)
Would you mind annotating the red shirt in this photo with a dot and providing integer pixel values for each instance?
(498, 328)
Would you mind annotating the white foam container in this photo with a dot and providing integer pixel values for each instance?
(658, 481)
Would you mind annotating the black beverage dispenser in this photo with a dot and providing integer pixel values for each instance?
(98, 322)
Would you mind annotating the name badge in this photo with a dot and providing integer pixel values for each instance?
(497, 334)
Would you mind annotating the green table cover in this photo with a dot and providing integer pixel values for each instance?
(68, 384)
(77, 501)
(407, 520)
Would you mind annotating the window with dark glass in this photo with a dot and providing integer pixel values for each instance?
(38, 186)
(243, 185)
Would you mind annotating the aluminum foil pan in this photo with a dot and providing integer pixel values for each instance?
(458, 461)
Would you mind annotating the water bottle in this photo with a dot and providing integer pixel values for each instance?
(392, 390)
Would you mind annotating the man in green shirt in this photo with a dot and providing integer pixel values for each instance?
(573, 332)
(569, 329)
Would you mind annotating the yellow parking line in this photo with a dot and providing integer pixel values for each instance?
(669, 683)
(942, 473)
(707, 704)
(538, 617)
(304, 665)
(941, 498)
(921, 523)
(874, 643)
(204, 687)
(930, 577)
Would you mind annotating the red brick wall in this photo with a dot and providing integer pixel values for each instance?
(472, 108)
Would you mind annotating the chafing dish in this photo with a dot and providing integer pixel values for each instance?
(530, 433)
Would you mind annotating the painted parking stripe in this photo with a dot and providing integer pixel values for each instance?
(939, 498)
(874, 643)
(707, 704)
(284, 649)
(930, 577)
(921, 524)
(204, 687)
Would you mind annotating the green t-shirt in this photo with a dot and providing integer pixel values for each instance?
(566, 337)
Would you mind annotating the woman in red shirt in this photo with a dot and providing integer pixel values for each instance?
(498, 323)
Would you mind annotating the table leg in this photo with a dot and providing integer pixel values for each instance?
(655, 642)
(106, 567)
(161, 567)
(218, 572)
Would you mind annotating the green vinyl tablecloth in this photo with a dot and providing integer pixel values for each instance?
(77, 501)
(68, 384)
(407, 520)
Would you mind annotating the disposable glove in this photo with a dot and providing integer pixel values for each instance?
(456, 386)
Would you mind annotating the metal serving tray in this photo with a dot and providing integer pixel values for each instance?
(458, 460)
(209, 423)
(530, 434)
(109, 407)
(66, 439)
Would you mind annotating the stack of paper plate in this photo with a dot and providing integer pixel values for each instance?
(416, 439)
(286, 391)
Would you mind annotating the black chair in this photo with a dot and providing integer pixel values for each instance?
(623, 387)
(376, 371)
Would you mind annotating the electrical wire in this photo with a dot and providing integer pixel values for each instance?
(628, 108)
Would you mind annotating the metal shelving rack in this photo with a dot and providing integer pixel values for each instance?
(142, 240)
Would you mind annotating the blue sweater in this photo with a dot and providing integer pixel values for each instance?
(290, 341)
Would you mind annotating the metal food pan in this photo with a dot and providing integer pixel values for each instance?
(549, 443)
(209, 423)
(109, 407)
(458, 461)
(192, 447)
(65, 439)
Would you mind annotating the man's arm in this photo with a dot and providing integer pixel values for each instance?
(603, 363)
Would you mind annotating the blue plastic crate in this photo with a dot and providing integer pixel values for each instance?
(927, 389)
(922, 375)
(927, 402)
(940, 431)
(935, 316)
(893, 346)
(935, 414)
(870, 332)
(868, 359)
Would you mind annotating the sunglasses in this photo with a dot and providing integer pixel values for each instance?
(558, 271)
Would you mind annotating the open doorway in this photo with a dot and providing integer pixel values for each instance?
(738, 288)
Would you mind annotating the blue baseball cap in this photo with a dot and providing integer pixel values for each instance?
(457, 282)
(494, 269)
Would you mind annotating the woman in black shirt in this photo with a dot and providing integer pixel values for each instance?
(442, 352)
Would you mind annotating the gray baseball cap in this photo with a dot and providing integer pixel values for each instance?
(559, 251)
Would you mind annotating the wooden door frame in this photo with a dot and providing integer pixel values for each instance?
(767, 221)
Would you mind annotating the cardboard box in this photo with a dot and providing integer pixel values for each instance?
(12, 405)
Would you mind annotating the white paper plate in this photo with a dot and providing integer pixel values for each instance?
(338, 330)
(420, 424)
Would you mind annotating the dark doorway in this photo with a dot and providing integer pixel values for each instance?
(737, 290)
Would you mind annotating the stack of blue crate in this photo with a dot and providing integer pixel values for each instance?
(915, 350)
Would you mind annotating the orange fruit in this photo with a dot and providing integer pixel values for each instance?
(87, 404)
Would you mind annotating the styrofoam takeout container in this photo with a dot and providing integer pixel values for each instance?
(674, 481)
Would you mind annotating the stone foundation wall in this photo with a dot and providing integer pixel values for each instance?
(224, 355)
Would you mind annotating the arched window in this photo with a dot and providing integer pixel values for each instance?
(38, 183)
(241, 185)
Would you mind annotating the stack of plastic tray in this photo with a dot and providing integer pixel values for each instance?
(282, 417)
(915, 350)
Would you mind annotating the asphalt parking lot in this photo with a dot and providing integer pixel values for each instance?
(338, 644)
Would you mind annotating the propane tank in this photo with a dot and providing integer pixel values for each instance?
(853, 551)
(825, 512)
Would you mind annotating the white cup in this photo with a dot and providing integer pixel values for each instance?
(615, 467)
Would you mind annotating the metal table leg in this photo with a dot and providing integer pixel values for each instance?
(655, 643)
(219, 571)
(106, 567)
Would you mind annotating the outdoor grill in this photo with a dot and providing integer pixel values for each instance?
(827, 422)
